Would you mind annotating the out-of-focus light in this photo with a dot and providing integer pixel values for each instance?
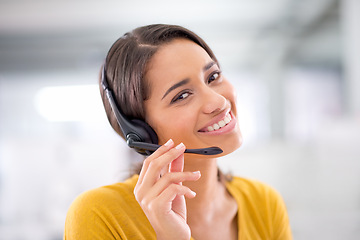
(70, 103)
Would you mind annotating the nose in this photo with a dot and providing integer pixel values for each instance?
(213, 102)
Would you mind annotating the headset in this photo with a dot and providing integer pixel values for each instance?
(138, 134)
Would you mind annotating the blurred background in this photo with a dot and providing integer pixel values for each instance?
(295, 65)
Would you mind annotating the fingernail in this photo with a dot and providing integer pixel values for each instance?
(180, 146)
(197, 173)
(193, 193)
(170, 141)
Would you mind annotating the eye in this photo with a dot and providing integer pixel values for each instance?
(181, 96)
(213, 77)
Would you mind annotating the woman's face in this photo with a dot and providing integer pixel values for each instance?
(190, 100)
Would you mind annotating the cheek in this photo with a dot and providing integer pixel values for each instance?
(176, 125)
(230, 94)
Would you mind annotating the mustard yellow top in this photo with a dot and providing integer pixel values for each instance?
(111, 212)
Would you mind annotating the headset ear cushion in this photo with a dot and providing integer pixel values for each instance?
(151, 134)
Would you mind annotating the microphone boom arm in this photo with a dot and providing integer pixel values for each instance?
(153, 147)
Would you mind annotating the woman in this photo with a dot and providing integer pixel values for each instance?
(168, 77)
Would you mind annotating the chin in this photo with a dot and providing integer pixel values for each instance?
(228, 146)
(231, 147)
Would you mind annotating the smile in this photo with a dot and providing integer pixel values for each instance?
(218, 126)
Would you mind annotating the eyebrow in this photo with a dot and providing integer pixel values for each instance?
(176, 85)
(187, 80)
(209, 65)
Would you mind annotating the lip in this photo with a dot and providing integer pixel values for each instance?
(228, 128)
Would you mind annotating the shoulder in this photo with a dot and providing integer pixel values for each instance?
(118, 193)
(253, 188)
(258, 197)
(262, 206)
(103, 210)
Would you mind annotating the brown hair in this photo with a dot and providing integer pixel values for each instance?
(126, 64)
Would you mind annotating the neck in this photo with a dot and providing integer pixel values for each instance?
(207, 188)
(213, 209)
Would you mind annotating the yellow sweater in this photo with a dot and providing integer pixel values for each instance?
(111, 212)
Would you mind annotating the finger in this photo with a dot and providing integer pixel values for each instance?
(153, 171)
(171, 178)
(163, 203)
(160, 151)
(157, 165)
(178, 164)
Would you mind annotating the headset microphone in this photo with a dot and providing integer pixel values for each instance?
(153, 147)
(138, 133)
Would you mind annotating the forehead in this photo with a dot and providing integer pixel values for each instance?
(178, 49)
(176, 61)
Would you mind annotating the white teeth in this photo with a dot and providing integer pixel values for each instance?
(220, 124)
(227, 120)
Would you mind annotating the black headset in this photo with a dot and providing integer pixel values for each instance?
(138, 134)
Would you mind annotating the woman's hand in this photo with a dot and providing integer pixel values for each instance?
(162, 198)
